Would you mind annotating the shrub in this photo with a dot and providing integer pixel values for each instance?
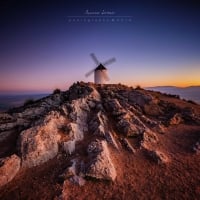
(138, 87)
(57, 91)
(28, 102)
(192, 102)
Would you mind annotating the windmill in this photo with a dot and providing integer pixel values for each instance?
(100, 71)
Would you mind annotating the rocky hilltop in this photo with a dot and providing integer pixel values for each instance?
(101, 142)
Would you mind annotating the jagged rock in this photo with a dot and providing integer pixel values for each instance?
(76, 131)
(72, 175)
(99, 124)
(40, 143)
(129, 129)
(5, 134)
(152, 109)
(79, 90)
(79, 113)
(7, 126)
(31, 112)
(114, 106)
(176, 119)
(110, 139)
(150, 136)
(5, 117)
(9, 167)
(139, 98)
(159, 157)
(69, 146)
(99, 127)
(127, 144)
(102, 114)
(101, 166)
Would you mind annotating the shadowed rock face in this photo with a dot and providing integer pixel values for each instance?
(91, 128)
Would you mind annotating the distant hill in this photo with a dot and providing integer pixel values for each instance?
(189, 93)
(10, 101)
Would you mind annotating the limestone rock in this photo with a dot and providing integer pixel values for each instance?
(159, 157)
(139, 98)
(101, 166)
(176, 119)
(69, 146)
(72, 174)
(9, 167)
(128, 128)
(128, 145)
(40, 143)
(150, 136)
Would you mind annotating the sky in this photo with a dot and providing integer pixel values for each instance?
(47, 44)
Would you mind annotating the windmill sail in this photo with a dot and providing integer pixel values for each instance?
(90, 72)
(95, 58)
(108, 62)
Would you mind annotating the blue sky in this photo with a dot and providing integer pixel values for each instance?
(41, 50)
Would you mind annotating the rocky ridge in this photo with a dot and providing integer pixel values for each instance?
(90, 126)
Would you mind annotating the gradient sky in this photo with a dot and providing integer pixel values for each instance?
(41, 50)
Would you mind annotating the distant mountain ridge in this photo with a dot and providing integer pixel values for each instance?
(10, 101)
(188, 93)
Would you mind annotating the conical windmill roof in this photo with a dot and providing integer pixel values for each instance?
(100, 67)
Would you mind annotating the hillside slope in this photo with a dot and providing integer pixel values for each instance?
(101, 142)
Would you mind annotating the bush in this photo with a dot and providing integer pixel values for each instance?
(192, 102)
(138, 87)
(28, 102)
(57, 91)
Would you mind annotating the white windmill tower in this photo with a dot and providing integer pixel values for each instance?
(100, 72)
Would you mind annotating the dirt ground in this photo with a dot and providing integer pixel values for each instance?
(138, 177)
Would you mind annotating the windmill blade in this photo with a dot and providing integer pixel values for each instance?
(95, 58)
(105, 76)
(109, 61)
(90, 72)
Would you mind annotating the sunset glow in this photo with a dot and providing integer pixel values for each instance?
(40, 50)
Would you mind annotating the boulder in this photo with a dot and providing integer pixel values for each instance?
(150, 136)
(100, 166)
(9, 167)
(137, 97)
(159, 157)
(40, 143)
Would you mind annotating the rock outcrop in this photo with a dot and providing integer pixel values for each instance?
(101, 165)
(159, 157)
(91, 133)
(9, 167)
(38, 144)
